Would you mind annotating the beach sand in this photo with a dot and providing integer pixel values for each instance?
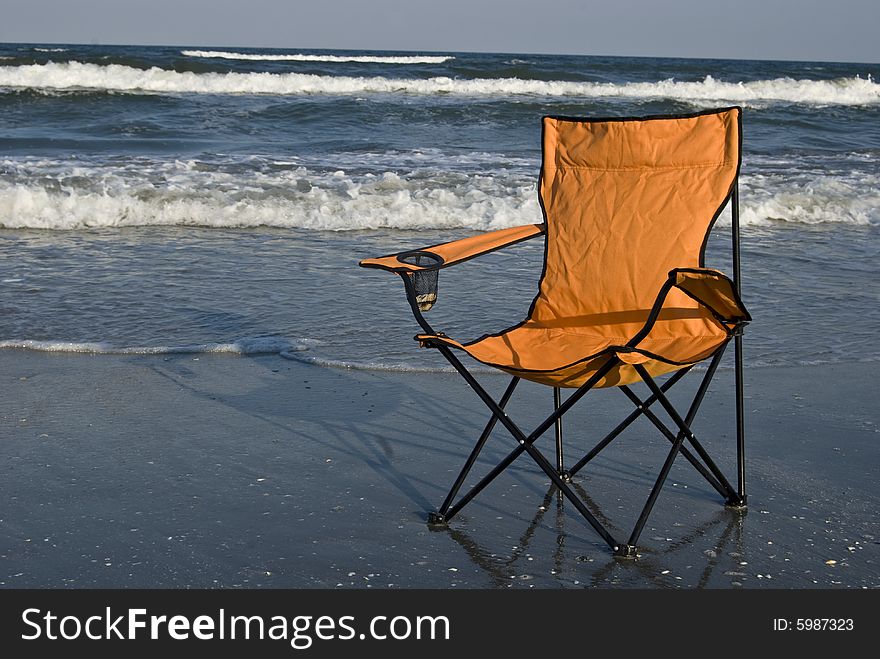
(224, 471)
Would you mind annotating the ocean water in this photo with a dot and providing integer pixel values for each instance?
(158, 199)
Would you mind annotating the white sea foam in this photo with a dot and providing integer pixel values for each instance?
(115, 77)
(52, 196)
(243, 346)
(397, 367)
(70, 195)
(303, 57)
(810, 198)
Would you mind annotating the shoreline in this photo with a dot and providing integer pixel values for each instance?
(224, 471)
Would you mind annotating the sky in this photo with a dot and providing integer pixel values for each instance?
(813, 30)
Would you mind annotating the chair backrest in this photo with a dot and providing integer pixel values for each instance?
(626, 201)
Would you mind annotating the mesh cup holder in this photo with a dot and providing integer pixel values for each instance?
(424, 281)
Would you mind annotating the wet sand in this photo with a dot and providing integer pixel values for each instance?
(221, 471)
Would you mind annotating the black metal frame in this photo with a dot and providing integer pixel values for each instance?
(735, 498)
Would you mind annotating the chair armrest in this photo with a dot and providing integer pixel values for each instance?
(713, 290)
(447, 254)
(708, 287)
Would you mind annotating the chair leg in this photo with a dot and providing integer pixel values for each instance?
(721, 485)
(690, 457)
(713, 475)
(652, 497)
(440, 517)
(526, 444)
(623, 425)
(545, 465)
(560, 459)
(684, 424)
(732, 497)
(740, 426)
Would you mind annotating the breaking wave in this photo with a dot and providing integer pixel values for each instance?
(810, 198)
(53, 196)
(74, 75)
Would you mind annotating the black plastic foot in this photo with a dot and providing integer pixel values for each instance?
(436, 519)
(625, 551)
(736, 503)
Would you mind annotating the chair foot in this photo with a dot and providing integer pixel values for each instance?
(436, 519)
(626, 551)
(736, 503)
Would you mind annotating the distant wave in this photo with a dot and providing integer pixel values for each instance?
(115, 77)
(68, 195)
(302, 57)
(51, 50)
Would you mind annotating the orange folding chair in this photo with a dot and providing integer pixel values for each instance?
(624, 295)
